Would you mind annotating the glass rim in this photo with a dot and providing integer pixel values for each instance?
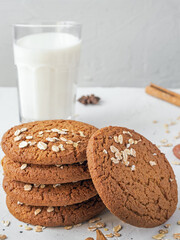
(49, 24)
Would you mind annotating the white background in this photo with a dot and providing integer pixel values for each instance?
(125, 42)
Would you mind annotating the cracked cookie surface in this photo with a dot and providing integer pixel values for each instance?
(57, 216)
(48, 142)
(133, 178)
(50, 195)
(45, 174)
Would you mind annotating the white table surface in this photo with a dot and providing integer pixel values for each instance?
(129, 107)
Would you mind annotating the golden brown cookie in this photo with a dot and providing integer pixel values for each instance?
(49, 195)
(133, 178)
(56, 216)
(45, 174)
(48, 142)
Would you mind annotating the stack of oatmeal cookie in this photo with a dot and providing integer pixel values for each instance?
(46, 177)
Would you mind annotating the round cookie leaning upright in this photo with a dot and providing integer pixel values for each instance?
(132, 177)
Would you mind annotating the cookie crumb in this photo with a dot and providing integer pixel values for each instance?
(42, 145)
(81, 134)
(2, 237)
(133, 168)
(27, 187)
(61, 147)
(158, 236)
(118, 139)
(155, 121)
(18, 138)
(38, 228)
(128, 145)
(68, 227)
(49, 139)
(137, 141)
(164, 231)
(23, 129)
(48, 130)
(92, 228)
(17, 132)
(152, 163)
(63, 139)
(37, 211)
(118, 156)
(175, 163)
(164, 141)
(23, 166)
(176, 235)
(69, 142)
(110, 235)
(114, 160)
(56, 185)
(6, 223)
(117, 228)
(172, 123)
(78, 225)
(23, 144)
(167, 145)
(178, 136)
(106, 229)
(75, 144)
(127, 132)
(116, 234)
(32, 143)
(36, 185)
(93, 220)
(113, 149)
(100, 224)
(166, 125)
(131, 141)
(29, 137)
(58, 165)
(55, 148)
(105, 151)
(167, 225)
(132, 152)
(27, 228)
(50, 209)
(55, 130)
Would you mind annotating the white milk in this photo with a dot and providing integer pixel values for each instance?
(47, 65)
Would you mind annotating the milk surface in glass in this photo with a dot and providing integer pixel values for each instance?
(47, 65)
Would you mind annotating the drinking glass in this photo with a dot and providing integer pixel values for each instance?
(47, 60)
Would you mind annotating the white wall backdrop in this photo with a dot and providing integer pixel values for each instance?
(125, 42)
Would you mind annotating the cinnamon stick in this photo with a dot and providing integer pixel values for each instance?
(163, 94)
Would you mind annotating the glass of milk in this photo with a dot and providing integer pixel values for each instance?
(47, 60)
